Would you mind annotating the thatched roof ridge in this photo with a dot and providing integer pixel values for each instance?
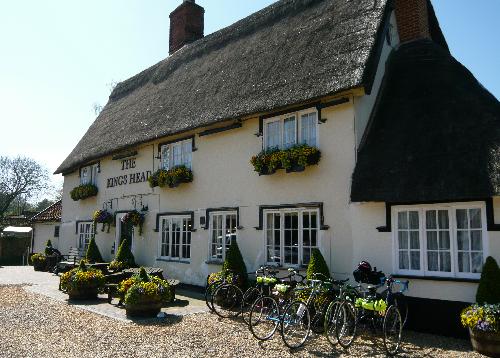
(290, 52)
(434, 136)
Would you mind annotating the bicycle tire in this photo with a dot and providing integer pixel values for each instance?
(392, 328)
(249, 297)
(402, 304)
(345, 324)
(295, 324)
(209, 290)
(264, 318)
(226, 300)
(329, 324)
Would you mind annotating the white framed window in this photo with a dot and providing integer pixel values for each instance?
(290, 129)
(223, 230)
(448, 240)
(88, 174)
(290, 235)
(175, 238)
(176, 154)
(85, 231)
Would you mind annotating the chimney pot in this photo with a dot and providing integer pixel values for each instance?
(186, 25)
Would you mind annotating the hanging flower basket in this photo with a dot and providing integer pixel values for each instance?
(171, 178)
(134, 218)
(103, 217)
(293, 159)
(83, 191)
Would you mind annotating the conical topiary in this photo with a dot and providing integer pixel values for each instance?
(234, 261)
(93, 254)
(82, 266)
(317, 264)
(48, 247)
(488, 290)
(143, 275)
(124, 254)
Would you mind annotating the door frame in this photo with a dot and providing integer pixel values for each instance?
(118, 233)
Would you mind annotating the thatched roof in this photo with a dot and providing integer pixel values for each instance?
(52, 213)
(435, 133)
(287, 53)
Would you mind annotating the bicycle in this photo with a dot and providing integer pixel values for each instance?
(227, 276)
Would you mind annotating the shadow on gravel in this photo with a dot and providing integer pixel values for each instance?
(167, 320)
(178, 303)
(97, 301)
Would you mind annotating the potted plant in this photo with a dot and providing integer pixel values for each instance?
(144, 295)
(483, 318)
(124, 258)
(82, 283)
(134, 218)
(103, 217)
(39, 262)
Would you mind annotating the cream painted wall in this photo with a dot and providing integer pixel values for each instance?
(42, 233)
(224, 177)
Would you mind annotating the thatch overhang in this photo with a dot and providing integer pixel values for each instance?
(434, 134)
(290, 52)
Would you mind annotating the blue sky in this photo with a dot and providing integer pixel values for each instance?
(58, 58)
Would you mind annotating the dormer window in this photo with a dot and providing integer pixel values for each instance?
(176, 154)
(290, 129)
(88, 174)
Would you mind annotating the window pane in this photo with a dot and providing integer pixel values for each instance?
(273, 134)
(463, 262)
(306, 238)
(462, 219)
(404, 262)
(289, 128)
(445, 262)
(475, 218)
(432, 261)
(414, 220)
(415, 260)
(306, 256)
(430, 219)
(187, 153)
(176, 155)
(165, 157)
(314, 238)
(403, 240)
(444, 240)
(305, 220)
(308, 129)
(414, 241)
(476, 242)
(443, 219)
(463, 240)
(402, 220)
(477, 261)
(432, 243)
(314, 220)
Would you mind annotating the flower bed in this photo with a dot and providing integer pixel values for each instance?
(293, 159)
(171, 178)
(83, 191)
(144, 295)
(103, 217)
(81, 283)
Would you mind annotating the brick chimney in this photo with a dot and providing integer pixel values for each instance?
(412, 18)
(186, 25)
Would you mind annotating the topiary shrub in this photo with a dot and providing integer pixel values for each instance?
(488, 290)
(124, 257)
(234, 261)
(48, 248)
(93, 254)
(317, 264)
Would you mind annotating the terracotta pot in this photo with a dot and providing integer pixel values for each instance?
(83, 294)
(487, 343)
(144, 309)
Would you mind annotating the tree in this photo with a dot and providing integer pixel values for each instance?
(20, 177)
(234, 261)
(93, 254)
(488, 290)
(43, 204)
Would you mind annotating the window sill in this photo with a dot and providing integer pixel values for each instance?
(171, 260)
(214, 262)
(438, 278)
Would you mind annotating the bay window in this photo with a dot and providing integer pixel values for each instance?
(175, 238)
(176, 154)
(290, 235)
(290, 129)
(440, 240)
(223, 230)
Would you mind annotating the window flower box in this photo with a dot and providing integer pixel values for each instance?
(83, 191)
(293, 159)
(171, 178)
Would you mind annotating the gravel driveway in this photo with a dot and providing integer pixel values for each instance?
(33, 325)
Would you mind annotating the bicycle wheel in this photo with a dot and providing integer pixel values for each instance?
(345, 324)
(209, 291)
(226, 300)
(329, 323)
(249, 298)
(392, 329)
(402, 304)
(295, 324)
(264, 318)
